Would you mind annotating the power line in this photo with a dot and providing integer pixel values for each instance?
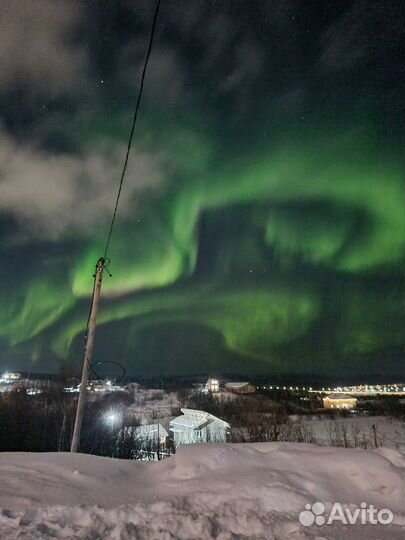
(105, 259)
(124, 169)
(94, 364)
(102, 264)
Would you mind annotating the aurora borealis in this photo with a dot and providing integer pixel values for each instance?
(262, 222)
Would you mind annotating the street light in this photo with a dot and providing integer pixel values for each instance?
(112, 418)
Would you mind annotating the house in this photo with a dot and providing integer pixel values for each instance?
(9, 377)
(145, 443)
(212, 385)
(198, 427)
(150, 435)
(240, 388)
(102, 386)
(339, 401)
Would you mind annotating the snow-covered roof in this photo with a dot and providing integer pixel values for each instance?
(236, 384)
(190, 422)
(150, 430)
(339, 396)
(194, 419)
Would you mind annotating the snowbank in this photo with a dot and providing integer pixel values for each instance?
(209, 491)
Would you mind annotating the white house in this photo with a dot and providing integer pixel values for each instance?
(146, 443)
(150, 434)
(198, 427)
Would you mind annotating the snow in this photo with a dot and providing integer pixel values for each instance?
(326, 431)
(149, 401)
(236, 384)
(339, 396)
(221, 491)
(148, 431)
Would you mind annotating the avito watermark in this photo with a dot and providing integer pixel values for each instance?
(364, 515)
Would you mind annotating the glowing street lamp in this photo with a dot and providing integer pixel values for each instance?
(112, 418)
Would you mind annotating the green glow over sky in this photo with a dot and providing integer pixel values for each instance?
(267, 215)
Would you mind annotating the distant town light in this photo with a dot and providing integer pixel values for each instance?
(9, 377)
(71, 389)
(212, 385)
(33, 391)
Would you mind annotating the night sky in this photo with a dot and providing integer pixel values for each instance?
(262, 223)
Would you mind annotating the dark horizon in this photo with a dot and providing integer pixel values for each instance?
(166, 380)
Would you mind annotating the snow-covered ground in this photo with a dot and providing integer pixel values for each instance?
(355, 431)
(226, 492)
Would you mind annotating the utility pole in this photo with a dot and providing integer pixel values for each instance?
(375, 436)
(88, 353)
(158, 437)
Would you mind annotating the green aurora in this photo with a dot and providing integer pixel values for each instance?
(273, 243)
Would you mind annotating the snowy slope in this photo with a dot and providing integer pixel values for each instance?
(205, 491)
(390, 432)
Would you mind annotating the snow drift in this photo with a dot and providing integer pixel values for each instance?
(219, 491)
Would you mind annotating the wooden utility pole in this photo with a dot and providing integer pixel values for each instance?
(158, 437)
(88, 353)
(375, 436)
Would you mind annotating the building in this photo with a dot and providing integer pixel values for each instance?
(151, 434)
(240, 388)
(212, 385)
(10, 377)
(339, 401)
(198, 427)
(102, 386)
(145, 443)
